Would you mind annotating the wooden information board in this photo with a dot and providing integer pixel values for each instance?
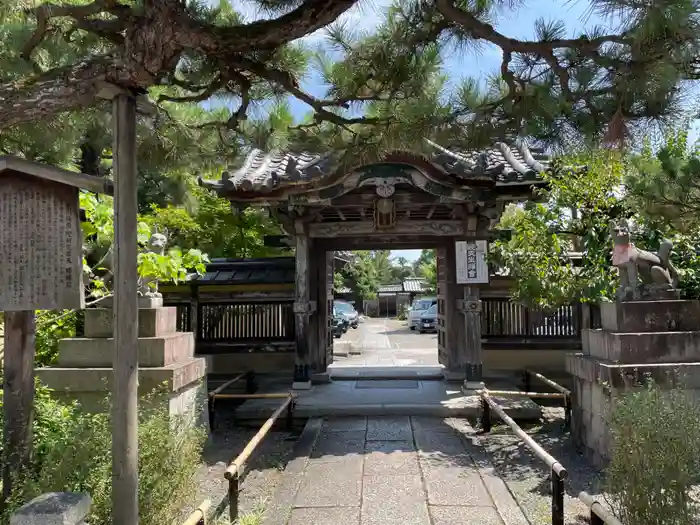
(40, 244)
(470, 258)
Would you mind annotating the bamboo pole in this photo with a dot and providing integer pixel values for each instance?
(240, 460)
(228, 383)
(541, 453)
(234, 471)
(599, 514)
(199, 515)
(253, 396)
(555, 386)
(536, 395)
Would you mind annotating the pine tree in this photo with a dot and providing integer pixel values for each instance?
(386, 89)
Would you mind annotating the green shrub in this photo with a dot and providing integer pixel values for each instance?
(655, 457)
(403, 312)
(73, 453)
(51, 327)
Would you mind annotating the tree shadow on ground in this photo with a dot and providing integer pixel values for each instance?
(514, 459)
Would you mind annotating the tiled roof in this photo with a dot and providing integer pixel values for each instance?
(390, 288)
(414, 285)
(410, 285)
(503, 164)
(273, 270)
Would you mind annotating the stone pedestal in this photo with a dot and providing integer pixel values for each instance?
(166, 360)
(638, 339)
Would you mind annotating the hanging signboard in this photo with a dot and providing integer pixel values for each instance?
(41, 259)
(471, 262)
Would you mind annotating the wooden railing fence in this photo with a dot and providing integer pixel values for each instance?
(236, 322)
(599, 515)
(502, 317)
(558, 472)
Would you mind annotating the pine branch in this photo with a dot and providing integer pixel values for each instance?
(154, 41)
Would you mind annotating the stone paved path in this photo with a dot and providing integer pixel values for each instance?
(391, 471)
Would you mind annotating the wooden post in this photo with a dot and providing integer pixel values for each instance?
(301, 309)
(315, 361)
(454, 339)
(328, 340)
(125, 505)
(472, 329)
(18, 392)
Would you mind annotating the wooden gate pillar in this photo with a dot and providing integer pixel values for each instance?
(315, 363)
(454, 339)
(471, 308)
(302, 308)
(324, 305)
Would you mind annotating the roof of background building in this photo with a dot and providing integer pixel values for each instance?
(410, 285)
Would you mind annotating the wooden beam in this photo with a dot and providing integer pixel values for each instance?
(403, 228)
(125, 452)
(399, 198)
(18, 396)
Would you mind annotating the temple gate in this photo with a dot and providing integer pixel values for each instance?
(401, 201)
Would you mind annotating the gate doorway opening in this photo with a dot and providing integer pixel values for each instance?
(438, 200)
(399, 327)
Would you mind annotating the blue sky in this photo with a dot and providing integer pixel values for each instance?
(367, 14)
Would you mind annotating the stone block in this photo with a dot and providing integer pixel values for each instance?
(650, 316)
(159, 351)
(55, 508)
(642, 347)
(175, 377)
(624, 376)
(153, 322)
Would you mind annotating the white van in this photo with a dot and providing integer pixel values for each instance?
(418, 308)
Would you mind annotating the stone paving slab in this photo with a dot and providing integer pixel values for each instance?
(392, 471)
(394, 500)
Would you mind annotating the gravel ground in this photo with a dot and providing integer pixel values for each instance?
(528, 478)
(263, 471)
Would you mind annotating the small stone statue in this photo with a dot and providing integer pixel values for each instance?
(643, 274)
(148, 286)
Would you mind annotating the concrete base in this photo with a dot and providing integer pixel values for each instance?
(323, 378)
(169, 375)
(185, 387)
(144, 302)
(640, 340)
(301, 385)
(153, 322)
(470, 387)
(453, 377)
(164, 350)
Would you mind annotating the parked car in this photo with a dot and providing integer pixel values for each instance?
(348, 311)
(428, 321)
(418, 308)
(340, 325)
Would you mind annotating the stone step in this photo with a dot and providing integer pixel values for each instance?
(650, 316)
(164, 350)
(642, 347)
(153, 322)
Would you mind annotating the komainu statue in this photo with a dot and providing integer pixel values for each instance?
(643, 274)
(148, 286)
